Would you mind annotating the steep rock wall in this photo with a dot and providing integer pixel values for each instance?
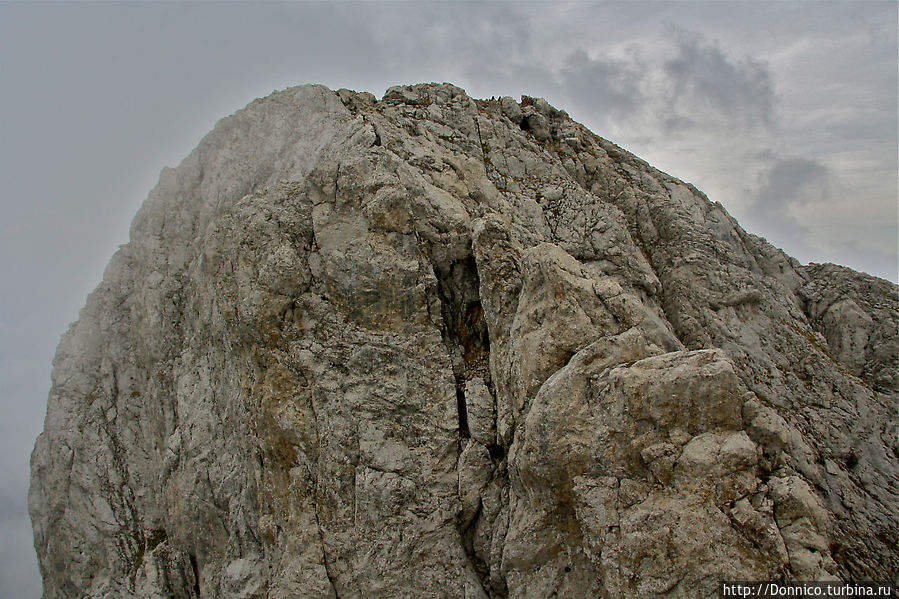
(431, 346)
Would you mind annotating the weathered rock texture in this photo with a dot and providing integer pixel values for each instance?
(431, 346)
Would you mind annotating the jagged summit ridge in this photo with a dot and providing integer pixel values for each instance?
(438, 346)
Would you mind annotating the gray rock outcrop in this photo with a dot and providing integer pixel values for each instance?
(432, 346)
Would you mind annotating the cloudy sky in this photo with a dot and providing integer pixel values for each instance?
(785, 112)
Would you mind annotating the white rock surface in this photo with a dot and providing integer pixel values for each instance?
(431, 346)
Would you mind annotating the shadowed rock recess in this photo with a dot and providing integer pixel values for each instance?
(432, 346)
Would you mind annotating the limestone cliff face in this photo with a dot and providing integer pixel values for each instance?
(431, 346)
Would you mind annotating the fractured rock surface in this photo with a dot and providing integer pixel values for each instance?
(432, 346)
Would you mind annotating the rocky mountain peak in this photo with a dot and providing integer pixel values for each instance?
(433, 346)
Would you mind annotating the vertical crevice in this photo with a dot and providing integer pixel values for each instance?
(462, 409)
(313, 479)
(325, 563)
(481, 144)
(337, 183)
(466, 338)
(464, 330)
(480, 567)
(195, 568)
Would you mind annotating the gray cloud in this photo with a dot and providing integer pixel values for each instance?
(705, 78)
(789, 183)
(607, 86)
(677, 83)
(788, 169)
(792, 181)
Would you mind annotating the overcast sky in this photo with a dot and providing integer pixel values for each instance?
(785, 112)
